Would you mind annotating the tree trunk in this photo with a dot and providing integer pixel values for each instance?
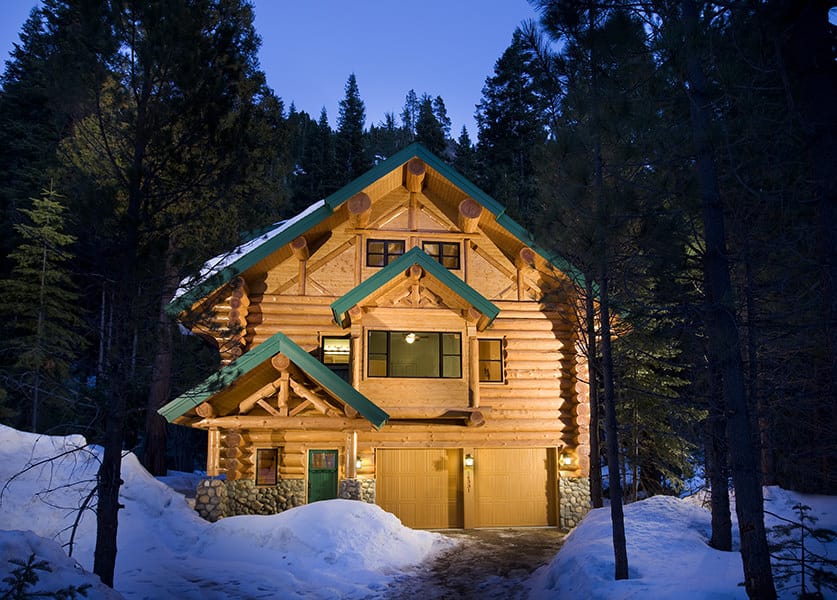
(722, 331)
(156, 439)
(596, 495)
(718, 471)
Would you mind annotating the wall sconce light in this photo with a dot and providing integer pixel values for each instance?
(358, 463)
(469, 460)
(566, 459)
(410, 338)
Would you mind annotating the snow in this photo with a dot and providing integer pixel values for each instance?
(221, 262)
(331, 549)
(668, 552)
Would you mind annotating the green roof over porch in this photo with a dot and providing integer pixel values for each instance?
(277, 343)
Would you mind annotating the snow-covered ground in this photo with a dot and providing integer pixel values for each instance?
(333, 549)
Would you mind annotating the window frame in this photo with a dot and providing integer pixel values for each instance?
(442, 255)
(386, 255)
(387, 355)
(481, 361)
(272, 478)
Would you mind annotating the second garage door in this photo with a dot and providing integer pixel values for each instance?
(513, 487)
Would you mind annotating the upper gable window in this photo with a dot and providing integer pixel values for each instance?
(447, 253)
(379, 253)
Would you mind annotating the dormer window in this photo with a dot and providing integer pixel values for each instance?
(446, 253)
(379, 253)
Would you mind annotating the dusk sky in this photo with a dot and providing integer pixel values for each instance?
(443, 47)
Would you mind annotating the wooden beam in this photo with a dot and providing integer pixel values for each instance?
(317, 401)
(326, 424)
(299, 246)
(280, 362)
(414, 175)
(263, 403)
(469, 215)
(265, 391)
(213, 445)
(205, 410)
(360, 208)
(474, 371)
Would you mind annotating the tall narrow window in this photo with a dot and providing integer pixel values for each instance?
(336, 355)
(414, 354)
(379, 253)
(491, 360)
(446, 253)
(267, 461)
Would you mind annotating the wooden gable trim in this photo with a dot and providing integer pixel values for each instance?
(401, 267)
(319, 211)
(309, 365)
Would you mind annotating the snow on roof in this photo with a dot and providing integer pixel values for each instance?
(222, 261)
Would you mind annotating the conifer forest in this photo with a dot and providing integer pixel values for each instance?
(681, 155)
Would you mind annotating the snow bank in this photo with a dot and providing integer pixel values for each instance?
(332, 549)
(668, 557)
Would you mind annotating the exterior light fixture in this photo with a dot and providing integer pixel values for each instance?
(358, 463)
(469, 460)
(566, 459)
(410, 338)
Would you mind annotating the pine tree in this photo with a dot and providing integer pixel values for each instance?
(349, 142)
(429, 131)
(511, 126)
(465, 160)
(409, 117)
(41, 308)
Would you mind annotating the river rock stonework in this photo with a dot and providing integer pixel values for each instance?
(357, 489)
(216, 498)
(574, 500)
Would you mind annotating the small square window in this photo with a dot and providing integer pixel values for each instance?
(267, 461)
(446, 253)
(491, 360)
(379, 253)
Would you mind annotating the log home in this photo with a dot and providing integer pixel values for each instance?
(402, 342)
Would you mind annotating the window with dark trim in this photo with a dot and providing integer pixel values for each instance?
(379, 253)
(446, 253)
(335, 353)
(414, 354)
(491, 360)
(267, 460)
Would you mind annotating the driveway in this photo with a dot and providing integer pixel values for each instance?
(486, 564)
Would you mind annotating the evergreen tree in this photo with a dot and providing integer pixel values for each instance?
(409, 117)
(511, 127)
(429, 131)
(385, 139)
(465, 160)
(42, 313)
(349, 142)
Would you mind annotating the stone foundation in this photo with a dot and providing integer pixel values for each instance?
(217, 498)
(357, 489)
(574, 500)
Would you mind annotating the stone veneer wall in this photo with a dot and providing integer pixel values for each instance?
(574, 500)
(217, 498)
(357, 489)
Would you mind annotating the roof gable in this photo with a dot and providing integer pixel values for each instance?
(251, 253)
(279, 342)
(398, 268)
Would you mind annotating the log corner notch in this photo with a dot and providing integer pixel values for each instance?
(360, 208)
(237, 317)
(469, 215)
(414, 172)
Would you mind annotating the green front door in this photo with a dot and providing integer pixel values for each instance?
(322, 475)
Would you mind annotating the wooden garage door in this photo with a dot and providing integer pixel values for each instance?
(422, 487)
(513, 487)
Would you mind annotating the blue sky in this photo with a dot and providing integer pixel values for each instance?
(309, 48)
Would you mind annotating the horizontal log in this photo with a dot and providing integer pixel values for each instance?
(516, 399)
(469, 215)
(271, 422)
(289, 472)
(205, 409)
(359, 207)
(549, 344)
(432, 412)
(514, 363)
(299, 247)
(501, 324)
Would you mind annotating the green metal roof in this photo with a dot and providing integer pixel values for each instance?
(313, 216)
(264, 351)
(415, 256)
